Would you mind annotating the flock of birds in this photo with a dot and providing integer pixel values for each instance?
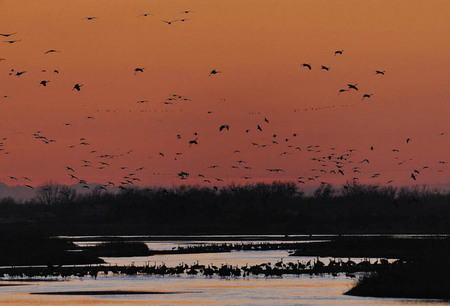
(329, 161)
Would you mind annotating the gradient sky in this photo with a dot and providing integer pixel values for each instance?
(259, 47)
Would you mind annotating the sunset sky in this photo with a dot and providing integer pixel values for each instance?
(258, 46)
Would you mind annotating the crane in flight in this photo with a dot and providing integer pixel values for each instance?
(214, 71)
(306, 65)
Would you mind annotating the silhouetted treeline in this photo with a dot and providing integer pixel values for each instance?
(279, 207)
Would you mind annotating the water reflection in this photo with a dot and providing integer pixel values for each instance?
(200, 290)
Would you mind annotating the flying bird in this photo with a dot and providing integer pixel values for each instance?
(352, 86)
(90, 18)
(77, 87)
(12, 41)
(325, 68)
(214, 71)
(224, 126)
(169, 22)
(338, 52)
(366, 96)
(380, 72)
(306, 65)
(136, 70)
(7, 35)
(52, 51)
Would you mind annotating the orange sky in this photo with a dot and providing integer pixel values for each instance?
(258, 46)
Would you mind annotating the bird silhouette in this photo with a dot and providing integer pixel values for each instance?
(259, 127)
(338, 52)
(145, 15)
(366, 96)
(352, 86)
(224, 126)
(136, 70)
(90, 18)
(214, 71)
(306, 65)
(8, 34)
(325, 68)
(44, 83)
(342, 90)
(77, 87)
(169, 22)
(191, 142)
(12, 41)
(380, 72)
(52, 51)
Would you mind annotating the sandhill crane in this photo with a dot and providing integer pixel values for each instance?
(214, 71)
(352, 86)
(266, 120)
(366, 96)
(70, 169)
(44, 83)
(77, 87)
(325, 68)
(380, 72)
(259, 127)
(342, 90)
(306, 65)
(413, 176)
(12, 41)
(7, 35)
(224, 126)
(52, 51)
(90, 18)
(408, 140)
(338, 52)
(136, 70)
(168, 22)
(191, 142)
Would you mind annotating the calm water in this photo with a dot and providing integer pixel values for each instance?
(199, 290)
